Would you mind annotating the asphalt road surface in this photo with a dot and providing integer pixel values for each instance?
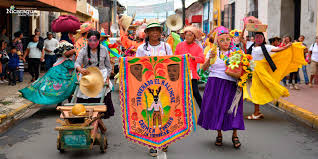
(278, 136)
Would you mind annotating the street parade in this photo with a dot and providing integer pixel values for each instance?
(118, 79)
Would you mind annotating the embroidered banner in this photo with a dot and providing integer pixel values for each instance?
(156, 99)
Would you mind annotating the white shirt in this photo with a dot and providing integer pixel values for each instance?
(314, 49)
(218, 68)
(162, 49)
(50, 45)
(34, 51)
(257, 52)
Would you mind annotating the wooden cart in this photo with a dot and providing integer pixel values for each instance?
(82, 132)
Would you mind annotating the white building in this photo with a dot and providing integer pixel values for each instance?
(284, 17)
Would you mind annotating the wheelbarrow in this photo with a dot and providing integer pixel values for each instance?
(82, 132)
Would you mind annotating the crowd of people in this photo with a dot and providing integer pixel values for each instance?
(67, 58)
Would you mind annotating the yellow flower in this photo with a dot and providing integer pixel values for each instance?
(245, 63)
(244, 68)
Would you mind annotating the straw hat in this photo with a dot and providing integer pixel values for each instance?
(126, 21)
(85, 27)
(153, 23)
(194, 30)
(78, 110)
(92, 84)
(103, 34)
(174, 22)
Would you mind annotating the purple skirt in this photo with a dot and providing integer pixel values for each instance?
(217, 99)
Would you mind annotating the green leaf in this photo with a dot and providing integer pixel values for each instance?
(155, 58)
(134, 60)
(150, 59)
(160, 77)
(175, 59)
(144, 114)
(161, 60)
(167, 108)
(145, 70)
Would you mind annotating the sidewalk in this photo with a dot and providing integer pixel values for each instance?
(302, 104)
(13, 106)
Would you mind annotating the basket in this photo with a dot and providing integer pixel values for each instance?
(236, 72)
(252, 27)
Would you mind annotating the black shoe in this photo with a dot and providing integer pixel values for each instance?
(165, 149)
(153, 152)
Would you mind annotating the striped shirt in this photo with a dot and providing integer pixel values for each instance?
(21, 65)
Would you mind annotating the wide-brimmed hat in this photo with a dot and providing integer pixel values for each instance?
(103, 34)
(92, 84)
(85, 27)
(174, 22)
(194, 30)
(126, 21)
(153, 23)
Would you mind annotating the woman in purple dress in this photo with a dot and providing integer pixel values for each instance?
(220, 92)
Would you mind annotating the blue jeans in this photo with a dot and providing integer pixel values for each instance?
(305, 74)
(284, 80)
(49, 61)
(4, 71)
(20, 75)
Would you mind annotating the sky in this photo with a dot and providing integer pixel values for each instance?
(177, 4)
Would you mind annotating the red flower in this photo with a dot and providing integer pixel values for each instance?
(159, 65)
(144, 60)
(134, 116)
(166, 61)
(161, 73)
(148, 66)
(177, 112)
(149, 74)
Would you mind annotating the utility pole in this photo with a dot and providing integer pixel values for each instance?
(183, 12)
(115, 11)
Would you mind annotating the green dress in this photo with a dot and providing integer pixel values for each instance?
(54, 87)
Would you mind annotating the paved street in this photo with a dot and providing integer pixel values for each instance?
(276, 137)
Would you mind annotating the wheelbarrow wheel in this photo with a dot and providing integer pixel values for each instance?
(59, 145)
(103, 144)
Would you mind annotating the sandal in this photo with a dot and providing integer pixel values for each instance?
(236, 142)
(218, 141)
(255, 117)
(153, 152)
(165, 149)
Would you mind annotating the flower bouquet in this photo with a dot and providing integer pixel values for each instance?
(239, 66)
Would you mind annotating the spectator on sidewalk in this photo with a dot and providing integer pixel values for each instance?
(50, 44)
(313, 60)
(3, 35)
(20, 72)
(4, 61)
(13, 65)
(36, 55)
(287, 39)
(304, 67)
(17, 42)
